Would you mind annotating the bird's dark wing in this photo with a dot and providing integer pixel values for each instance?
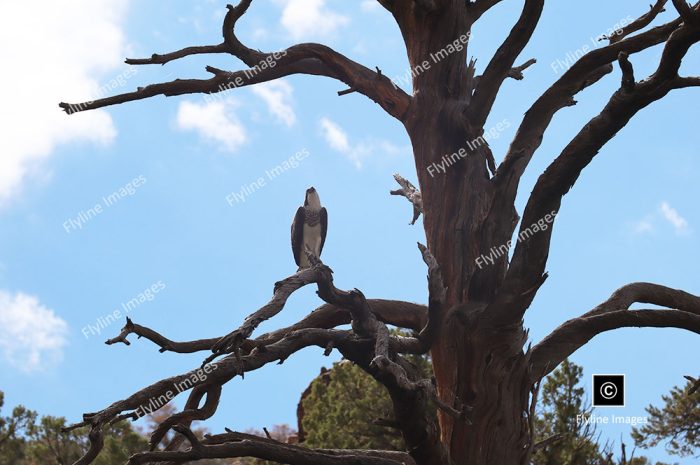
(324, 227)
(298, 235)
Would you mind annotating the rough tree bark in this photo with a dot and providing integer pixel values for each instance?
(485, 377)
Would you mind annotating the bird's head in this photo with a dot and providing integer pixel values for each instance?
(312, 200)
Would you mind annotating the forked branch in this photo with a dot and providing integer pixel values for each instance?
(588, 70)
(527, 267)
(369, 343)
(310, 59)
(499, 68)
(683, 312)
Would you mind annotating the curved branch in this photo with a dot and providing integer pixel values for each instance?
(247, 55)
(230, 43)
(477, 8)
(689, 16)
(283, 289)
(190, 413)
(648, 293)
(310, 59)
(612, 314)
(500, 66)
(394, 312)
(575, 333)
(166, 345)
(638, 24)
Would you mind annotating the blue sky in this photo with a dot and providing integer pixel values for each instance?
(631, 217)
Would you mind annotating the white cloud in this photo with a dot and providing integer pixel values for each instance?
(649, 224)
(213, 121)
(671, 215)
(370, 5)
(335, 136)
(56, 51)
(642, 227)
(32, 337)
(338, 140)
(277, 95)
(305, 19)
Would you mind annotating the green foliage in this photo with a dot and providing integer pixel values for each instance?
(27, 440)
(48, 444)
(341, 409)
(346, 408)
(562, 401)
(677, 423)
(12, 431)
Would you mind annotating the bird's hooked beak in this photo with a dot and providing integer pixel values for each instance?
(311, 197)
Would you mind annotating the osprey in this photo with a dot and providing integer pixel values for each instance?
(309, 229)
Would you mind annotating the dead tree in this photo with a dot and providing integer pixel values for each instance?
(473, 321)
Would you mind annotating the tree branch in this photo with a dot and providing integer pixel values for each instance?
(241, 445)
(499, 68)
(691, 81)
(310, 59)
(638, 24)
(394, 312)
(575, 333)
(219, 373)
(477, 8)
(689, 16)
(161, 59)
(160, 340)
(283, 289)
(517, 71)
(411, 193)
(550, 440)
(190, 413)
(410, 395)
(436, 300)
(648, 293)
(628, 81)
(230, 44)
(614, 313)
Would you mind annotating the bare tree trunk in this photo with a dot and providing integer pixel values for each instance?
(475, 362)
